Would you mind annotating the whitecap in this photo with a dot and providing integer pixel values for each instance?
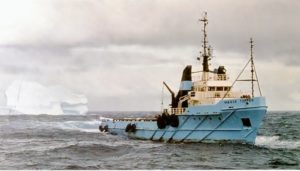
(105, 119)
(83, 126)
(276, 143)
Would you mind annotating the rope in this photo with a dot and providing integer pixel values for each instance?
(236, 79)
(257, 80)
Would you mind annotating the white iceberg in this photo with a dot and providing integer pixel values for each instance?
(4, 110)
(33, 98)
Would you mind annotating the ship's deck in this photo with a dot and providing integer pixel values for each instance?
(134, 119)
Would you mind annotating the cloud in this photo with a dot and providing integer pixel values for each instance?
(106, 73)
(113, 51)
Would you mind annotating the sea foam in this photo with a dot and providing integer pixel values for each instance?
(276, 143)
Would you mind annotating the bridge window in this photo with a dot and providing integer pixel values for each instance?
(211, 88)
(226, 88)
(219, 88)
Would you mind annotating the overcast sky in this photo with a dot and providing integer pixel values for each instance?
(118, 52)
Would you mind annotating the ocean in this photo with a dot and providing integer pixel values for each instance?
(74, 142)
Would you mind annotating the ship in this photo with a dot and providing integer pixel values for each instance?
(205, 109)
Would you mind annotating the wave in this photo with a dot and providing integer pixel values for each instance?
(101, 118)
(276, 143)
(83, 126)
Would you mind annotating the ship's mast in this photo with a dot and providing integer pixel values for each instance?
(252, 66)
(205, 53)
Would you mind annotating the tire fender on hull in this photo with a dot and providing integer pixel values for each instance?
(161, 124)
(130, 128)
(103, 129)
(174, 121)
(165, 119)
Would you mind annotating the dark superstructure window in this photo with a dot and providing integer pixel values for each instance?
(226, 88)
(192, 94)
(219, 88)
(246, 122)
(211, 89)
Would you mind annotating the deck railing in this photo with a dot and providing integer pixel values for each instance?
(216, 77)
(220, 77)
(177, 111)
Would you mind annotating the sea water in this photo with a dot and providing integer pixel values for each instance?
(74, 142)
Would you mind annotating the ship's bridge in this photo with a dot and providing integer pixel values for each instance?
(209, 88)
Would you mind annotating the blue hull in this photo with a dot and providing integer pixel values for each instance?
(235, 120)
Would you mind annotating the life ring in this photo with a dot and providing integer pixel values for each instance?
(174, 120)
(160, 122)
(128, 128)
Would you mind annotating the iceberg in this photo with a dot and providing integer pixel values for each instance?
(4, 110)
(29, 97)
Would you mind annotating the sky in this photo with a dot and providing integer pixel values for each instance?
(118, 52)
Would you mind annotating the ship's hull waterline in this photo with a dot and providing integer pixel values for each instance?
(234, 123)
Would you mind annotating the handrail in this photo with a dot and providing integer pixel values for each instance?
(177, 111)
